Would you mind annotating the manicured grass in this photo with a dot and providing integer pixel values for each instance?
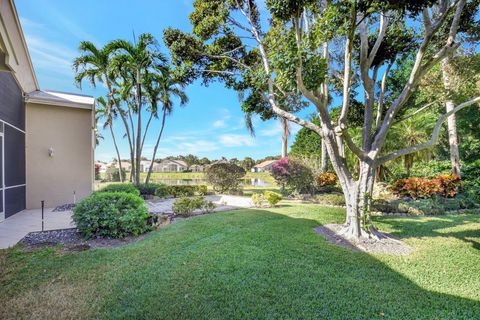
(254, 264)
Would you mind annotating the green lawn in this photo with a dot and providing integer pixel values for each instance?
(254, 264)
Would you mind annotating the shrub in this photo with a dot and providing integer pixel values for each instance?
(97, 171)
(201, 189)
(326, 179)
(225, 177)
(422, 188)
(112, 175)
(333, 199)
(448, 185)
(148, 189)
(111, 214)
(162, 191)
(272, 197)
(257, 199)
(293, 176)
(431, 206)
(185, 206)
(121, 187)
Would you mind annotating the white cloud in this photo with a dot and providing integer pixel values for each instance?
(274, 130)
(236, 140)
(221, 123)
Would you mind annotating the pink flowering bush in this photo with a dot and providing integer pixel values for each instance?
(293, 176)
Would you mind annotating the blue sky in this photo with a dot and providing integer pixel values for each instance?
(210, 125)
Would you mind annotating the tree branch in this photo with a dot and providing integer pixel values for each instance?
(434, 137)
(381, 34)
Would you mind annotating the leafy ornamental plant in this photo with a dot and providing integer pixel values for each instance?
(300, 53)
(421, 188)
(111, 214)
(293, 176)
(225, 177)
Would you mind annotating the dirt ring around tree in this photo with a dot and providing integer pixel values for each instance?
(386, 244)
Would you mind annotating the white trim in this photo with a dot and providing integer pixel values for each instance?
(11, 125)
(17, 186)
(61, 104)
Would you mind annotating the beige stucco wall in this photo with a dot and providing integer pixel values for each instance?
(69, 132)
(14, 54)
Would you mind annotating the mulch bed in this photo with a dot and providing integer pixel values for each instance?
(388, 244)
(71, 239)
(64, 207)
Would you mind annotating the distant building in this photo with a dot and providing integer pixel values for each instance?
(171, 166)
(197, 168)
(265, 166)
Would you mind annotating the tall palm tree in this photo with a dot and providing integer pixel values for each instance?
(285, 134)
(105, 111)
(94, 65)
(161, 88)
(134, 61)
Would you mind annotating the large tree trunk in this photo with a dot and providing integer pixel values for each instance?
(358, 195)
(451, 120)
(147, 179)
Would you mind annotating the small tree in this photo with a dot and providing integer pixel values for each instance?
(225, 177)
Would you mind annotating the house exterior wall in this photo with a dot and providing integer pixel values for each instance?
(69, 132)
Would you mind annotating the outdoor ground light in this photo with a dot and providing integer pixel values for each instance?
(51, 152)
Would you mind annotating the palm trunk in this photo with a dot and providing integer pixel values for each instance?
(285, 134)
(324, 159)
(139, 130)
(147, 179)
(118, 154)
(451, 120)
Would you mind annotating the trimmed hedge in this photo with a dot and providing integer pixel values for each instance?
(181, 191)
(111, 214)
(121, 187)
(150, 188)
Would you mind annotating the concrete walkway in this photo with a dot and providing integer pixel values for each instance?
(223, 203)
(14, 228)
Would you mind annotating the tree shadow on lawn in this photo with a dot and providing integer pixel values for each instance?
(436, 226)
(242, 264)
(259, 264)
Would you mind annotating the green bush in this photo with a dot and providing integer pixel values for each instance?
(111, 214)
(185, 206)
(162, 191)
(112, 175)
(150, 188)
(333, 199)
(430, 206)
(257, 199)
(201, 189)
(225, 177)
(272, 198)
(121, 187)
